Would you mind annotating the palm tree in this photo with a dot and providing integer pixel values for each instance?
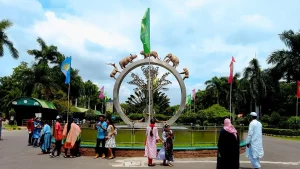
(257, 84)
(4, 40)
(45, 54)
(137, 101)
(214, 87)
(288, 61)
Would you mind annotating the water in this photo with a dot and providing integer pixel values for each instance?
(184, 136)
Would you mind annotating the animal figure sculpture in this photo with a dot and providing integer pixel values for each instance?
(173, 59)
(114, 71)
(152, 53)
(186, 73)
(126, 60)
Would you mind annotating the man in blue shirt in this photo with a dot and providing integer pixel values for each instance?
(101, 126)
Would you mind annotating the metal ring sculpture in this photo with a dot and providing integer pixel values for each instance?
(142, 62)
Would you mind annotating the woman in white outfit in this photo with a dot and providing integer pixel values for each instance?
(110, 142)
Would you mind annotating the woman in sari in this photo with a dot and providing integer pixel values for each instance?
(46, 139)
(168, 137)
(228, 147)
(110, 142)
(150, 143)
(70, 133)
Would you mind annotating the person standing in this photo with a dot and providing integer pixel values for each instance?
(150, 143)
(228, 147)
(110, 143)
(168, 137)
(70, 133)
(46, 139)
(30, 128)
(1, 120)
(101, 127)
(57, 133)
(36, 132)
(254, 150)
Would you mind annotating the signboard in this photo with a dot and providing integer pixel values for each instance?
(38, 115)
(109, 106)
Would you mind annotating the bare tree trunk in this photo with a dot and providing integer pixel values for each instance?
(250, 105)
(257, 110)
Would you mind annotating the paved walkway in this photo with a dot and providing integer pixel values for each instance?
(15, 154)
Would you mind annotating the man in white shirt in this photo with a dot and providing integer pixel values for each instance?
(254, 149)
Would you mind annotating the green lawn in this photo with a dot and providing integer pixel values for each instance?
(136, 138)
(288, 138)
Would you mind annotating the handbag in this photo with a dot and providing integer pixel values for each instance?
(161, 154)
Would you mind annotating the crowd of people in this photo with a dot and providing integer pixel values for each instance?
(40, 135)
(228, 144)
(69, 137)
(228, 156)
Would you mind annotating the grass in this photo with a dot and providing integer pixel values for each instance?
(136, 138)
(288, 138)
(6, 126)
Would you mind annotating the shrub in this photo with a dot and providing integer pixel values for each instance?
(275, 118)
(135, 116)
(281, 132)
(162, 117)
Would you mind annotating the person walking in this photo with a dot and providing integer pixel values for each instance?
(228, 147)
(254, 150)
(101, 127)
(110, 142)
(150, 143)
(30, 128)
(57, 134)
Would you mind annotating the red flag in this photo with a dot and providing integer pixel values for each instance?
(101, 95)
(298, 89)
(194, 94)
(230, 79)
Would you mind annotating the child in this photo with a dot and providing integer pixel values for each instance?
(168, 137)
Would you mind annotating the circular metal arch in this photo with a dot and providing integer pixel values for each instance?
(142, 62)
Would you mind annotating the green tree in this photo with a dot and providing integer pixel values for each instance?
(46, 54)
(5, 41)
(287, 61)
(257, 84)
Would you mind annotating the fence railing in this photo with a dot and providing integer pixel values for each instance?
(184, 137)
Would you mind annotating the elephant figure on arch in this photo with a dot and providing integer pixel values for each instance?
(174, 59)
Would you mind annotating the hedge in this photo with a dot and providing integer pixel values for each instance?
(281, 132)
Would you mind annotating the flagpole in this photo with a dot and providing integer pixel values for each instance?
(230, 99)
(149, 78)
(68, 102)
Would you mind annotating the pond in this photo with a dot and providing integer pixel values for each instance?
(183, 137)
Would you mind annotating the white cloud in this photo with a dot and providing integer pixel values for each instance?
(72, 32)
(257, 20)
(195, 30)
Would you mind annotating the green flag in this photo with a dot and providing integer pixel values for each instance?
(188, 100)
(145, 32)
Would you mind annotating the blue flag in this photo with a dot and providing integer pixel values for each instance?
(66, 69)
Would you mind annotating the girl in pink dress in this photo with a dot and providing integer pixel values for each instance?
(150, 143)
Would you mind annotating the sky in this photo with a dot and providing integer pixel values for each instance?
(204, 34)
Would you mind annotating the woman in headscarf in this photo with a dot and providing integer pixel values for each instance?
(46, 138)
(70, 133)
(168, 137)
(110, 142)
(150, 143)
(228, 147)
